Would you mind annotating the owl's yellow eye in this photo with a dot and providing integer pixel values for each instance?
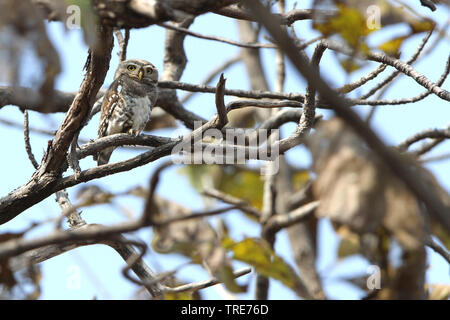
(149, 70)
(131, 67)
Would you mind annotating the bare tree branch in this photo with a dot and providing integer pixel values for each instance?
(220, 103)
(26, 135)
(195, 286)
(363, 80)
(430, 133)
(287, 18)
(219, 69)
(391, 159)
(123, 43)
(394, 74)
(239, 203)
(281, 221)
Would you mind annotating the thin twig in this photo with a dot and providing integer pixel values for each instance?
(442, 251)
(219, 69)
(195, 286)
(228, 41)
(288, 18)
(239, 203)
(309, 111)
(363, 80)
(220, 103)
(237, 104)
(441, 157)
(394, 74)
(68, 210)
(401, 66)
(194, 215)
(219, 39)
(254, 94)
(421, 96)
(26, 136)
(154, 180)
(123, 43)
(430, 133)
(426, 147)
(73, 159)
(281, 221)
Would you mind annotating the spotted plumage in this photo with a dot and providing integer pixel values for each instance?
(128, 103)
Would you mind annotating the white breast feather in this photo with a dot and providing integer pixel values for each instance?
(141, 113)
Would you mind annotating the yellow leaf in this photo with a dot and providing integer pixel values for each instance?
(299, 179)
(177, 296)
(418, 26)
(349, 65)
(349, 23)
(226, 276)
(259, 255)
(392, 46)
(228, 243)
(243, 184)
(349, 244)
(348, 247)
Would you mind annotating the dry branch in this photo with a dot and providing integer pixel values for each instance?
(341, 108)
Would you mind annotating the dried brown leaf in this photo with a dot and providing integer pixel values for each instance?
(355, 189)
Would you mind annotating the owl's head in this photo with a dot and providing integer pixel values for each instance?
(138, 70)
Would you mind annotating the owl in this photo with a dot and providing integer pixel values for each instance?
(128, 102)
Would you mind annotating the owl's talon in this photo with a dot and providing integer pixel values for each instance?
(132, 132)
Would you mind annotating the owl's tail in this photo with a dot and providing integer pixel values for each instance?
(103, 157)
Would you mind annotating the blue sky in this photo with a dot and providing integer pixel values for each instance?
(99, 267)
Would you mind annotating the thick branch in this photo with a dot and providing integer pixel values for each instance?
(138, 13)
(80, 108)
(287, 18)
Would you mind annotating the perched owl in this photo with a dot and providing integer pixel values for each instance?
(128, 102)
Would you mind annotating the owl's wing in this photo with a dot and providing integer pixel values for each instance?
(109, 104)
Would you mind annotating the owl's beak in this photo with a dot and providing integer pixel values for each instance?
(141, 75)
